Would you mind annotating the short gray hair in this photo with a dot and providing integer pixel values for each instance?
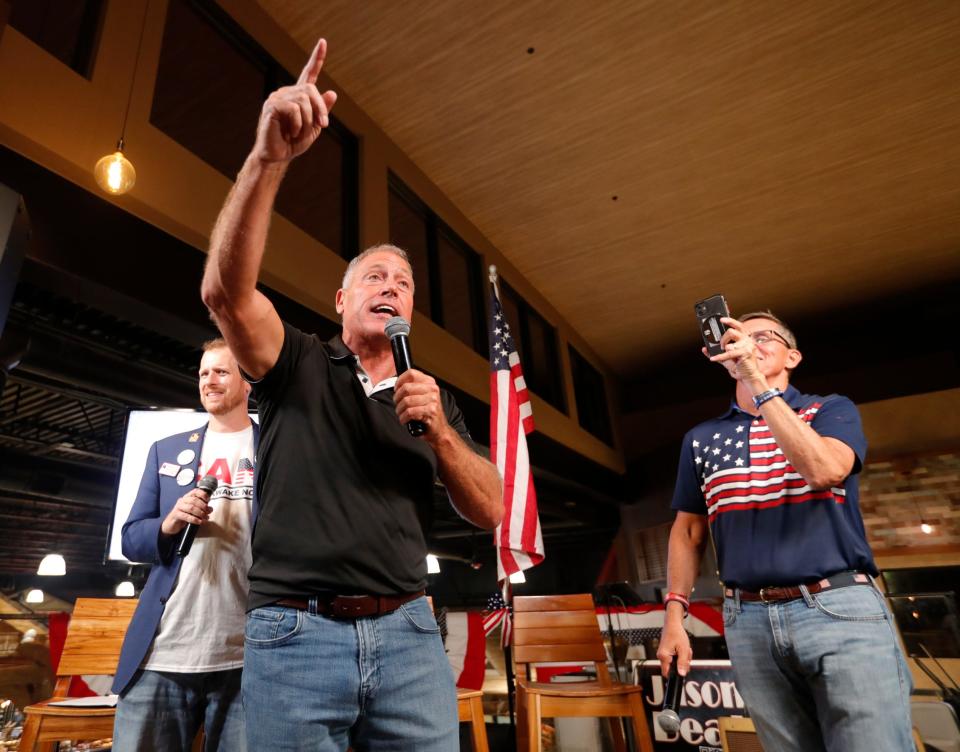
(396, 250)
(782, 327)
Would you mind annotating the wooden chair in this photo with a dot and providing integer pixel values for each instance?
(564, 629)
(470, 710)
(93, 643)
(738, 734)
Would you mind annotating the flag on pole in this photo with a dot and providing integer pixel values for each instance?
(497, 614)
(494, 613)
(518, 539)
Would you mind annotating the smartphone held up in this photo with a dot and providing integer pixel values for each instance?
(709, 312)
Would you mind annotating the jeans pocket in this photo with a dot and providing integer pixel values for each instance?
(267, 626)
(729, 612)
(853, 603)
(419, 616)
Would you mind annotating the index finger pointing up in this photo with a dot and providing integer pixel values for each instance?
(312, 69)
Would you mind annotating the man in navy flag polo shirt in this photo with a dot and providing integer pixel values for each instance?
(774, 481)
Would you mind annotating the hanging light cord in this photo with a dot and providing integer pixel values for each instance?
(133, 79)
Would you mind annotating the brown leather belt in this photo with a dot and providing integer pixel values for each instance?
(775, 594)
(352, 606)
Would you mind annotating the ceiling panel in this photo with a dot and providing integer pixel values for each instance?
(786, 154)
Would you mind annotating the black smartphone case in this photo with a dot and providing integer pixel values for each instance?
(709, 310)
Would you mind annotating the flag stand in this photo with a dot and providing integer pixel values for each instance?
(508, 655)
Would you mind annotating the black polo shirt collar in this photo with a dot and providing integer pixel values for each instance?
(341, 354)
(338, 350)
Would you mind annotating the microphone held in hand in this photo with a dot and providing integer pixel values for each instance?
(398, 331)
(669, 718)
(207, 483)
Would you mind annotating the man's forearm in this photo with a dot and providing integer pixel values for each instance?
(810, 454)
(239, 237)
(472, 482)
(683, 565)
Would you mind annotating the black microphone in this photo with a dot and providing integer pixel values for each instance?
(209, 484)
(398, 330)
(669, 718)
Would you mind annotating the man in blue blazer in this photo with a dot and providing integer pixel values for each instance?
(182, 656)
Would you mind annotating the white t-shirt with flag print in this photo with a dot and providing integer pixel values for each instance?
(202, 626)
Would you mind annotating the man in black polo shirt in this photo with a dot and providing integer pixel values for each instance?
(341, 647)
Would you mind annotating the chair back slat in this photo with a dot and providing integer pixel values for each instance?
(568, 636)
(578, 602)
(575, 653)
(554, 619)
(95, 636)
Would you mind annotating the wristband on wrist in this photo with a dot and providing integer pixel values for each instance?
(766, 396)
(679, 598)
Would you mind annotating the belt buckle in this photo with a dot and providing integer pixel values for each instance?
(347, 606)
(763, 598)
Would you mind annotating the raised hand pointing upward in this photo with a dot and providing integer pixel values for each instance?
(293, 116)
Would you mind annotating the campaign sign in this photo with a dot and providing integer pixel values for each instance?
(709, 692)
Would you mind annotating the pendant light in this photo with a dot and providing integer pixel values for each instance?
(115, 173)
(52, 565)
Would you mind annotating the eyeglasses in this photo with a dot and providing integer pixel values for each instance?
(765, 336)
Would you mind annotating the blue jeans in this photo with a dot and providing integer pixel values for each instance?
(822, 672)
(162, 711)
(315, 683)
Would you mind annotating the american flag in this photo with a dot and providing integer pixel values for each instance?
(244, 474)
(493, 616)
(518, 538)
(742, 467)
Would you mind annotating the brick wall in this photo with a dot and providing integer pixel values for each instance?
(897, 495)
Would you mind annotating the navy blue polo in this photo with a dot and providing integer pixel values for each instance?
(770, 527)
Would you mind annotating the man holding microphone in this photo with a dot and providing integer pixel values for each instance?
(341, 646)
(181, 661)
(774, 480)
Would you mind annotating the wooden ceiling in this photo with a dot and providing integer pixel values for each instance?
(630, 157)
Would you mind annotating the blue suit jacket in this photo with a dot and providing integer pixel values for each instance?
(142, 541)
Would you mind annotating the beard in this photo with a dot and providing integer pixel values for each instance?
(227, 404)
